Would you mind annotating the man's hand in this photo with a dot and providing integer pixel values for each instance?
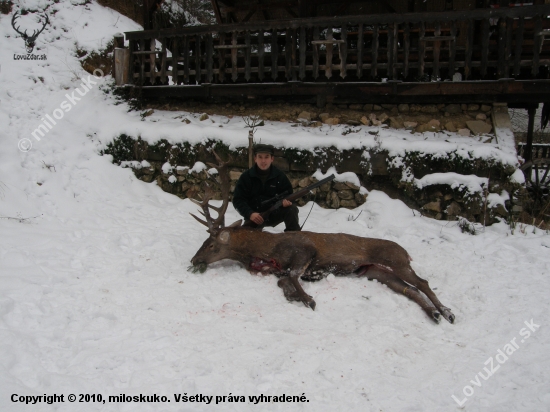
(287, 203)
(257, 218)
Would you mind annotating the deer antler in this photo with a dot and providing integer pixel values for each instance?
(223, 173)
(43, 27)
(13, 19)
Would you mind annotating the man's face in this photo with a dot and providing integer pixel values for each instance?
(263, 160)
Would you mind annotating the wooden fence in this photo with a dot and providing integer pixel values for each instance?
(486, 44)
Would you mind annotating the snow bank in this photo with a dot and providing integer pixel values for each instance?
(95, 297)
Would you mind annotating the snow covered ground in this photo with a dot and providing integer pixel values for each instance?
(95, 296)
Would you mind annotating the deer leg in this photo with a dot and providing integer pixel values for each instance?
(291, 294)
(397, 285)
(293, 289)
(409, 276)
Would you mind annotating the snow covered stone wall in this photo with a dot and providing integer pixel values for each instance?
(446, 185)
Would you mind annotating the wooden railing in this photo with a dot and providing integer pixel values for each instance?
(538, 150)
(486, 44)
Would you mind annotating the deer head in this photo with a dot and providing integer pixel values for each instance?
(29, 40)
(213, 248)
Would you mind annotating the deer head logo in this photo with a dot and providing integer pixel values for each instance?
(29, 39)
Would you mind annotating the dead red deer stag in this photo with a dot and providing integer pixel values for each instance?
(295, 255)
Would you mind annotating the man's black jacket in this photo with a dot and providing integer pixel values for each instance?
(250, 192)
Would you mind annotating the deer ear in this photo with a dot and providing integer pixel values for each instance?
(224, 237)
(236, 224)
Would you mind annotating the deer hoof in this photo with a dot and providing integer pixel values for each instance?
(435, 315)
(447, 314)
(309, 302)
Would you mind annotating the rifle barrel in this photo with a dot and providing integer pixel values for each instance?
(297, 195)
(302, 192)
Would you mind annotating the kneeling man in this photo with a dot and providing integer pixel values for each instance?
(262, 182)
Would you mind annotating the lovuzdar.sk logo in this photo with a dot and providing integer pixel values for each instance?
(30, 39)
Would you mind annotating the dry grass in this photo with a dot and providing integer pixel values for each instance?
(5, 6)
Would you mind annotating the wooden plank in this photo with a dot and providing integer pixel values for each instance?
(508, 51)
(518, 46)
(537, 44)
(209, 58)
(421, 49)
(234, 61)
(175, 60)
(261, 52)
(375, 40)
(328, 54)
(221, 58)
(274, 54)
(231, 47)
(325, 42)
(436, 52)
(163, 63)
(389, 50)
(247, 56)
(187, 60)
(142, 63)
(427, 17)
(452, 51)
(484, 46)
(437, 38)
(132, 46)
(294, 59)
(343, 52)
(152, 62)
(302, 53)
(469, 50)
(407, 46)
(518, 91)
(392, 51)
(501, 48)
(315, 53)
(248, 16)
(360, 51)
(198, 59)
(217, 11)
(148, 52)
(288, 54)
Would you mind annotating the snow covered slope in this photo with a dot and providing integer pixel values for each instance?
(95, 297)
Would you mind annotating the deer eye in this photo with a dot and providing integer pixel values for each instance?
(211, 246)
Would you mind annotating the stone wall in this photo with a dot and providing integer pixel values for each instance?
(174, 168)
(188, 182)
(465, 119)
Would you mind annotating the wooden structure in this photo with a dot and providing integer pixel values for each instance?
(364, 51)
(499, 54)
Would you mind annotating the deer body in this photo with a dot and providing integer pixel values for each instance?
(296, 255)
(338, 253)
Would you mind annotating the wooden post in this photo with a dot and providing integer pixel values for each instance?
(122, 65)
(121, 61)
(250, 148)
(528, 153)
(119, 40)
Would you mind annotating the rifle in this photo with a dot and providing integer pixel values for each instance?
(276, 198)
(292, 197)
